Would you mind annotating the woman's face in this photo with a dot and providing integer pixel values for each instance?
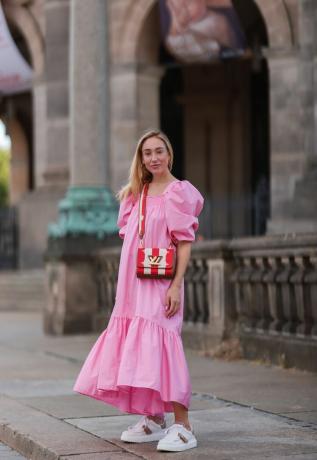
(155, 155)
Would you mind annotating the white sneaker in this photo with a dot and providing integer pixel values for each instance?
(177, 439)
(145, 430)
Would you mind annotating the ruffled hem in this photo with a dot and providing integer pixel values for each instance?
(137, 366)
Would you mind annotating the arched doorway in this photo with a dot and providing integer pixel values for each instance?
(20, 177)
(5, 149)
(16, 114)
(16, 111)
(217, 116)
(136, 73)
(8, 217)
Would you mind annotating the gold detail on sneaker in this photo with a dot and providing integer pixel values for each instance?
(146, 429)
(182, 437)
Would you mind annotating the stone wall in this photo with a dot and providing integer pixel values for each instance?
(291, 34)
(51, 115)
(56, 121)
(293, 125)
(133, 39)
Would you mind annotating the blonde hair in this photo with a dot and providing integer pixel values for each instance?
(139, 175)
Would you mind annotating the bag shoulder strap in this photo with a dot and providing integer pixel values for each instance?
(142, 209)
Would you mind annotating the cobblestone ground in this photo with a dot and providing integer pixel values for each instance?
(6, 453)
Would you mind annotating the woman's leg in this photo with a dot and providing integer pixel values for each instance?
(158, 418)
(181, 415)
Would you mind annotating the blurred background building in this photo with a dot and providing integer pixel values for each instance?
(243, 125)
(243, 129)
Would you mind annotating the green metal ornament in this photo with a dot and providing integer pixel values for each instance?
(89, 211)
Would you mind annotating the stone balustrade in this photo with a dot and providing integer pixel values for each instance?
(107, 267)
(262, 290)
(275, 296)
(208, 316)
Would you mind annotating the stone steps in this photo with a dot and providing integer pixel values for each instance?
(22, 290)
(6, 453)
(40, 436)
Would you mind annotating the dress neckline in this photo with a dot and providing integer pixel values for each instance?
(164, 191)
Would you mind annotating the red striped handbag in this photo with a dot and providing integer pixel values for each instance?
(153, 262)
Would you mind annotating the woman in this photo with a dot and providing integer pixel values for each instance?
(138, 363)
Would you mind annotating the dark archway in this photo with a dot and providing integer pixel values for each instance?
(217, 117)
(16, 112)
(257, 37)
(171, 110)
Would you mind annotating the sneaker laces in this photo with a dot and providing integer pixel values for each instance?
(139, 424)
(144, 423)
(178, 427)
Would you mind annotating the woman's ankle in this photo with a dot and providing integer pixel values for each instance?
(159, 419)
(185, 423)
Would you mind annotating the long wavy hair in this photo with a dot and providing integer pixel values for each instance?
(139, 175)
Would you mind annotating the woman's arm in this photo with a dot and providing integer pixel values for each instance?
(173, 292)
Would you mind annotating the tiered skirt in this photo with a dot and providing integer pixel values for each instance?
(137, 366)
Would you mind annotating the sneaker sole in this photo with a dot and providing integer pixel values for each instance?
(146, 438)
(170, 448)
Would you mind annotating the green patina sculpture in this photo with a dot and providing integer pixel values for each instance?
(89, 211)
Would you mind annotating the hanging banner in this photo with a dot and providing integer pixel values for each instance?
(201, 30)
(15, 73)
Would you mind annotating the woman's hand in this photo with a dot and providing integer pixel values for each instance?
(173, 299)
(173, 295)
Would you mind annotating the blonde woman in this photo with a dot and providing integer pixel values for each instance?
(138, 363)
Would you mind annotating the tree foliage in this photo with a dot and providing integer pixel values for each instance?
(4, 176)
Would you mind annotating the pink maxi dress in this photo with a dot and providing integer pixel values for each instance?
(138, 364)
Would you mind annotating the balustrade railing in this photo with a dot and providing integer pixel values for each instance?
(8, 238)
(276, 286)
(107, 267)
(262, 288)
(195, 292)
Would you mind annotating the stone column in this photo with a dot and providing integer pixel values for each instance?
(148, 97)
(88, 93)
(293, 128)
(287, 141)
(50, 135)
(123, 120)
(88, 208)
(88, 213)
(305, 205)
(134, 109)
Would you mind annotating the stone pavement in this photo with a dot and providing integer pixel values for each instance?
(240, 410)
(6, 453)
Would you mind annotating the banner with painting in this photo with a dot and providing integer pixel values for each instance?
(15, 73)
(201, 30)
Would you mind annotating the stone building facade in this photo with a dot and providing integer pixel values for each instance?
(244, 131)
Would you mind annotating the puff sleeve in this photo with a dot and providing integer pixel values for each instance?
(183, 204)
(125, 209)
